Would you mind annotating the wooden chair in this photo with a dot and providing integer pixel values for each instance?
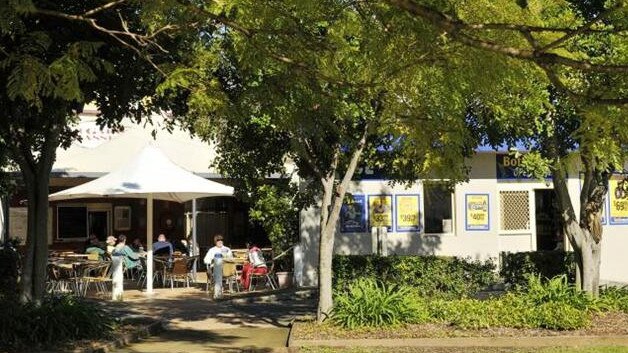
(230, 276)
(178, 271)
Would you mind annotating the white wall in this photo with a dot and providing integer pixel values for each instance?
(477, 245)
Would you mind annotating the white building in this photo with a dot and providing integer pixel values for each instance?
(491, 213)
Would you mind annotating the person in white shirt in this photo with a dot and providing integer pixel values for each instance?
(213, 259)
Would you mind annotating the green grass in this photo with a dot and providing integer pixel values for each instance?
(592, 349)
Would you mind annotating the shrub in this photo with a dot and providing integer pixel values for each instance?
(9, 265)
(614, 299)
(56, 320)
(556, 290)
(552, 304)
(368, 303)
(511, 310)
(431, 276)
(561, 316)
(547, 264)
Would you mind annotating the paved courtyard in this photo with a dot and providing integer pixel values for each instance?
(196, 323)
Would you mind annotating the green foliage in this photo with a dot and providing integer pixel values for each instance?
(369, 303)
(613, 299)
(57, 320)
(275, 208)
(515, 267)
(561, 316)
(432, 276)
(9, 265)
(556, 290)
(552, 305)
(50, 65)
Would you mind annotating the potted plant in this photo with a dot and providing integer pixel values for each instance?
(284, 268)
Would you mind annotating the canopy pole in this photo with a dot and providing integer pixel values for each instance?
(149, 243)
(193, 245)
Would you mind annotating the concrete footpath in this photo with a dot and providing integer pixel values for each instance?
(468, 342)
(193, 322)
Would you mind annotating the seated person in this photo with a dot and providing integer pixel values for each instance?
(131, 258)
(181, 246)
(96, 250)
(111, 243)
(94, 246)
(213, 260)
(137, 245)
(255, 265)
(191, 246)
(162, 247)
(92, 241)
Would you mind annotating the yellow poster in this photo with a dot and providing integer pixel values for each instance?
(380, 211)
(618, 200)
(477, 212)
(407, 213)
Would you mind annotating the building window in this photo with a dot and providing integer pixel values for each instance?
(438, 208)
(71, 222)
(514, 210)
(122, 217)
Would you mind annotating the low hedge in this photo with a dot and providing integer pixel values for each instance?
(515, 267)
(29, 327)
(431, 276)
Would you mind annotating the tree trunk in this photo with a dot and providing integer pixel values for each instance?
(325, 253)
(33, 280)
(26, 279)
(36, 174)
(584, 233)
(579, 270)
(591, 259)
(330, 213)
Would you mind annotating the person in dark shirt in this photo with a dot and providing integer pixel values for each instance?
(162, 247)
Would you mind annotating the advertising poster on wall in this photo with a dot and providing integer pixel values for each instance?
(618, 200)
(353, 215)
(380, 211)
(407, 213)
(477, 212)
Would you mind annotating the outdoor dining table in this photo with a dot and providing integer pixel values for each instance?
(73, 270)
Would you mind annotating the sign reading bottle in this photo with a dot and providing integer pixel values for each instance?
(477, 212)
(618, 200)
(506, 165)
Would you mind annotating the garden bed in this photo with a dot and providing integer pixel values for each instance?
(605, 324)
(131, 330)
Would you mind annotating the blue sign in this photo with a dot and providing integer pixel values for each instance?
(353, 215)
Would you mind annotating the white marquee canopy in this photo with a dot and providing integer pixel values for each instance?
(150, 175)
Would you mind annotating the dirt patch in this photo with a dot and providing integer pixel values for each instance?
(608, 324)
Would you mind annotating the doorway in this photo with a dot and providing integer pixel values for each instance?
(547, 220)
(98, 223)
